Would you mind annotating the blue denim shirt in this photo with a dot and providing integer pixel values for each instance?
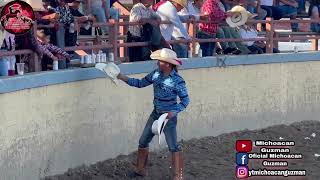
(166, 90)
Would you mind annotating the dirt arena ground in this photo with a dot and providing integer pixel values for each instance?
(212, 158)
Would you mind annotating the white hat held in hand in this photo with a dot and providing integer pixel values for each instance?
(111, 69)
(158, 126)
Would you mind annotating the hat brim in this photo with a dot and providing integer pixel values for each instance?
(111, 69)
(185, 5)
(162, 121)
(156, 56)
(233, 23)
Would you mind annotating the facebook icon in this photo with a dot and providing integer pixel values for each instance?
(242, 159)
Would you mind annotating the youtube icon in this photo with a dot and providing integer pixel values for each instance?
(244, 145)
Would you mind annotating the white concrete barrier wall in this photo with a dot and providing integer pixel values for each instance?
(46, 130)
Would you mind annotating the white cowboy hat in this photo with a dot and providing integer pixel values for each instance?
(183, 3)
(166, 55)
(158, 126)
(239, 19)
(111, 69)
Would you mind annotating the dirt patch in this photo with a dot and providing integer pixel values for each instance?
(211, 158)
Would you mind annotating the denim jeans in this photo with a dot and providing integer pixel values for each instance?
(301, 6)
(60, 34)
(101, 16)
(255, 49)
(315, 27)
(272, 11)
(114, 13)
(181, 49)
(261, 15)
(290, 11)
(170, 131)
(208, 47)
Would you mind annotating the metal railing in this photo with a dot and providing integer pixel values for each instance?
(114, 43)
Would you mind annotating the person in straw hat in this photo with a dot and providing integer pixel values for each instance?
(168, 85)
(248, 31)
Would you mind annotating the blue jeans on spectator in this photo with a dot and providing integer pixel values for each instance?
(301, 6)
(208, 47)
(114, 13)
(255, 49)
(314, 27)
(272, 11)
(101, 17)
(181, 49)
(4, 65)
(227, 6)
(289, 11)
(170, 131)
(60, 34)
(261, 15)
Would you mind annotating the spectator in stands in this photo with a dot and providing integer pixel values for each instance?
(226, 31)
(97, 8)
(249, 31)
(211, 11)
(302, 6)
(111, 12)
(314, 13)
(47, 49)
(140, 12)
(228, 4)
(7, 62)
(289, 8)
(286, 8)
(253, 6)
(271, 9)
(65, 24)
(83, 21)
(28, 41)
(48, 10)
(192, 9)
(168, 11)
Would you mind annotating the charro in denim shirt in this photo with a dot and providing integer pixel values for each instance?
(166, 90)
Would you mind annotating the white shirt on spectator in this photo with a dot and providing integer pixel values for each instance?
(168, 12)
(192, 10)
(247, 34)
(184, 15)
(138, 12)
(266, 2)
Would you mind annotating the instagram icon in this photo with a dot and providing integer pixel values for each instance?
(242, 172)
